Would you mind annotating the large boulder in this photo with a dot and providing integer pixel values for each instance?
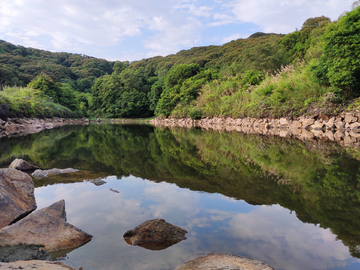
(39, 265)
(223, 261)
(22, 165)
(155, 234)
(16, 196)
(45, 227)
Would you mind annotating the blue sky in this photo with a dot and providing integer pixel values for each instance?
(133, 30)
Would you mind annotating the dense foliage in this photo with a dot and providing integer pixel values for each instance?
(268, 75)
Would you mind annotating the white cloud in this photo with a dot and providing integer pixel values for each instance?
(202, 11)
(155, 27)
(170, 38)
(285, 15)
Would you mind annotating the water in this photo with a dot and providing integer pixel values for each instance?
(291, 204)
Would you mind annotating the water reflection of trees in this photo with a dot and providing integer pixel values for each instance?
(320, 183)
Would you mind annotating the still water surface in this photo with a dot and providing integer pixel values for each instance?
(290, 204)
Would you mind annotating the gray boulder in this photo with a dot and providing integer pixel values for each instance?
(22, 165)
(16, 196)
(46, 228)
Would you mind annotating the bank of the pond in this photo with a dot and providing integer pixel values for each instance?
(26, 126)
(343, 128)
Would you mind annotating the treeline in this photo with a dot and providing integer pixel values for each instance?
(20, 65)
(268, 75)
(265, 75)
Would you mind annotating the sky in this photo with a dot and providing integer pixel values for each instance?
(129, 30)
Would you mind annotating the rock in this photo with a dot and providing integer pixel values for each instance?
(284, 134)
(317, 125)
(46, 228)
(324, 117)
(98, 120)
(155, 234)
(22, 165)
(49, 125)
(223, 261)
(339, 135)
(97, 181)
(349, 140)
(350, 119)
(306, 135)
(59, 171)
(330, 135)
(284, 122)
(114, 190)
(40, 173)
(57, 210)
(16, 196)
(340, 125)
(331, 123)
(307, 123)
(355, 127)
(23, 253)
(39, 265)
(295, 125)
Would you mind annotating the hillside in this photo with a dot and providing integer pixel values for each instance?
(20, 65)
(265, 75)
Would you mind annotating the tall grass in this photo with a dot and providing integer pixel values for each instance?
(289, 92)
(27, 102)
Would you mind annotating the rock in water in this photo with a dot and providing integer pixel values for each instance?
(57, 210)
(16, 196)
(223, 261)
(39, 265)
(45, 227)
(22, 165)
(155, 234)
(40, 173)
(23, 253)
(97, 181)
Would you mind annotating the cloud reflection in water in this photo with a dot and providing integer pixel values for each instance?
(215, 223)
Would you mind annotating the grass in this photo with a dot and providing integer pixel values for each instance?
(26, 102)
(289, 92)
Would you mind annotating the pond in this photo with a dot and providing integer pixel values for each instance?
(288, 203)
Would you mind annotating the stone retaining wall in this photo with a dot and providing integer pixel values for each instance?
(344, 129)
(26, 126)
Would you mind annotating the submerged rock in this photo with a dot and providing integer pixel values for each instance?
(155, 234)
(22, 165)
(223, 261)
(40, 173)
(45, 227)
(22, 253)
(39, 265)
(16, 196)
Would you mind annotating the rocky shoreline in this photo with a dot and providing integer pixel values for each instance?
(343, 129)
(21, 126)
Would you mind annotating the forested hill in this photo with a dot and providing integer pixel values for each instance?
(265, 75)
(20, 65)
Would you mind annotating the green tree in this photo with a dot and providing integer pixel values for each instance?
(340, 61)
